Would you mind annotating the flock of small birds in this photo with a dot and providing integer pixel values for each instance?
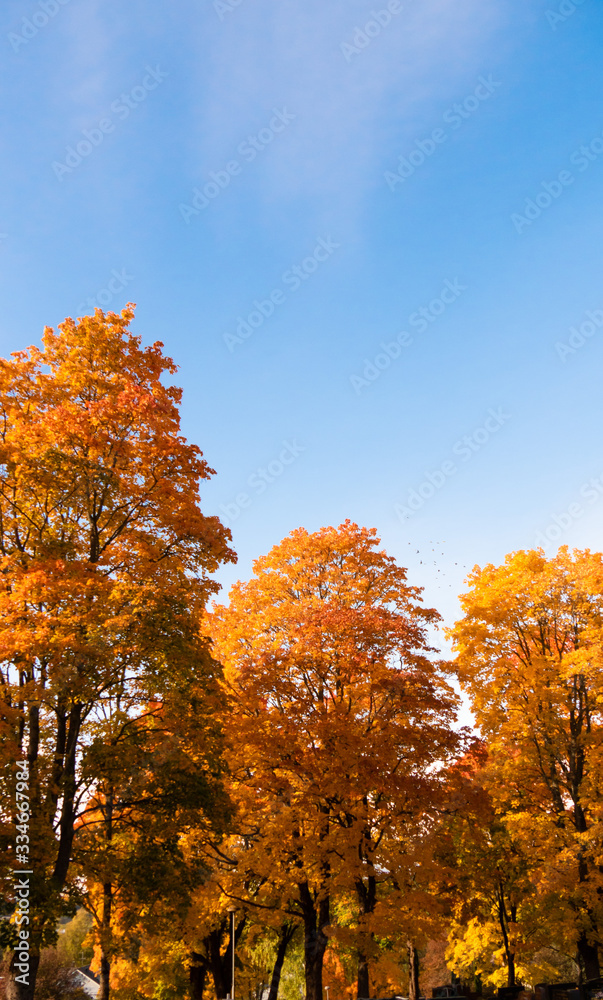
(435, 563)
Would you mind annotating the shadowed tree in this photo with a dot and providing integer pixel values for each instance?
(105, 558)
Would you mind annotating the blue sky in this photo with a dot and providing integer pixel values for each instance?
(330, 177)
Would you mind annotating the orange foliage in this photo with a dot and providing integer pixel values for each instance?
(105, 555)
(340, 723)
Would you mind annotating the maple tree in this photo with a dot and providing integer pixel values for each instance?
(202, 931)
(208, 927)
(105, 559)
(498, 922)
(293, 753)
(529, 653)
(57, 978)
(156, 776)
(339, 725)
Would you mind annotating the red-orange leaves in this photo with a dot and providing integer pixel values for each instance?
(105, 554)
(339, 719)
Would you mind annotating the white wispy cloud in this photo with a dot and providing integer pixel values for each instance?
(265, 54)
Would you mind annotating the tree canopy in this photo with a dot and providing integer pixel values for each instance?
(530, 656)
(340, 724)
(292, 755)
(105, 559)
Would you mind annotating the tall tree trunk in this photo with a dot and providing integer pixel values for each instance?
(367, 897)
(413, 972)
(503, 919)
(316, 919)
(105, 938)
(285, 937)
(363, 988)
(589, 957)
(588, 953)
(220, 967)
(22, 991)
(105, 927)
(511, 969)
(221, 964)
(197, 975)
(66, 825)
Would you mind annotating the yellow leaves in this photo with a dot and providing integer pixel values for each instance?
(160, 963)
(475, 949)
(338, 721)
(529, 652)
(94, 464)
(530, 627)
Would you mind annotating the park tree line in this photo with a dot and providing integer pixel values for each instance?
(279, 778)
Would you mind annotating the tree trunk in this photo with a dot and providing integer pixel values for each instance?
(22, 991)
(367, 897)
(363, 988)
(221, 964)
(105, 937)
(589, 957)
(104, 976)
(503, 919)
(105, 927)
(511, 969)
(413, 972)
(285, 938)
(66, 826)
(220, 967)
(197, 976)
(316, 919)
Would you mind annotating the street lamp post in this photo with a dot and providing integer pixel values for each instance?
(232, 911)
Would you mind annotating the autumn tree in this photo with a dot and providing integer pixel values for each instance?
(340, 722)
(161, 865)
(203, 929)
(261, 940)
(207, 929)
(155, 775)
(498, 921)
(529, 654)
(57, 978)
(105, 559)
